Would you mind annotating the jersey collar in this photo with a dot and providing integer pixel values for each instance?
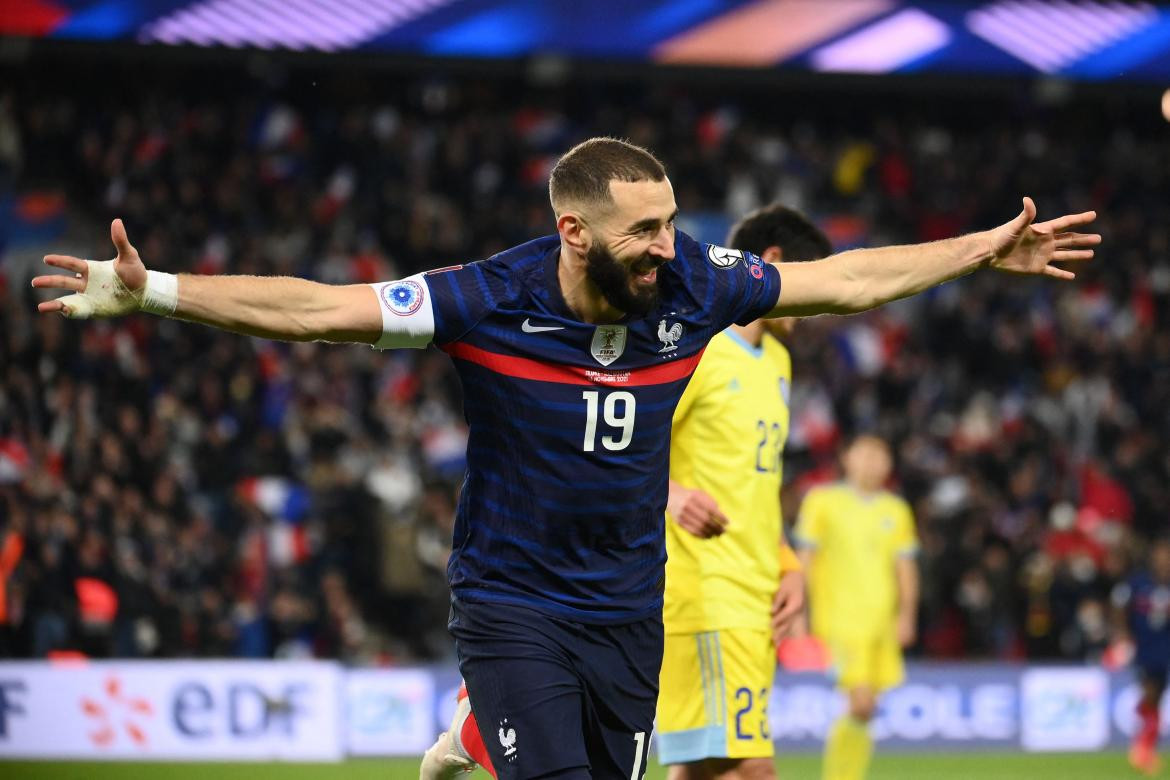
(552, 285)
(756, 352)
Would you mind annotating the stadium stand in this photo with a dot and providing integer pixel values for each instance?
(217, 496)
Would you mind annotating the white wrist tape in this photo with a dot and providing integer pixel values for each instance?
(104, 296)
(161, 294)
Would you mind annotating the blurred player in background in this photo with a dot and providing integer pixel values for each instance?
(858, 545)
(733, 585)
(1142, 618)
(573, 351)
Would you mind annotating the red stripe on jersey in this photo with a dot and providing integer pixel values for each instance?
(540, 371)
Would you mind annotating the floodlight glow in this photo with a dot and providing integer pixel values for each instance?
(1051, 36)
(291, 24)
(885, 46)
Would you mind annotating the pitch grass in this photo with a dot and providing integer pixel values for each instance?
(950, 766)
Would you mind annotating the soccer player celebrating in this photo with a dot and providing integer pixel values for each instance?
(573, 350)
(857, 542)
(1142, 616)
(732, 583)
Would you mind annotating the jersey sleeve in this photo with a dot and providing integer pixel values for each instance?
(408, 319)
(737, 287)
(810, 527)
(906, 537)
(465, 294)
(695, 390)
(439, 306)
(788, 560)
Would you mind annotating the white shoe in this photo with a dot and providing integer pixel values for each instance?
(446, 759)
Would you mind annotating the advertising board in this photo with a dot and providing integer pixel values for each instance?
(153, 710)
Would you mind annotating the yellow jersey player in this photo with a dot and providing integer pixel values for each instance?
(858, 546)
(732, 583)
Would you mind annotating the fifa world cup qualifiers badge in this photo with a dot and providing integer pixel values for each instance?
(609, 342)
(403, 298)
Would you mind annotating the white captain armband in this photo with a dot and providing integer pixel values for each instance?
(407, 317)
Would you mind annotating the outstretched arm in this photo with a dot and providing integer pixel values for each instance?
(283, 308)
(861, 279)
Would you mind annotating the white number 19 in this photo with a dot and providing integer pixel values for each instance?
(640, 742)
(625, 422)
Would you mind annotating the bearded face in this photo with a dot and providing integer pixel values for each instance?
(632, 287)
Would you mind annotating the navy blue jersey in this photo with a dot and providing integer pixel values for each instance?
(1147, 608)
(569, 423)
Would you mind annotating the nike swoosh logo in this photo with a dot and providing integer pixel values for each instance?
(528, 328)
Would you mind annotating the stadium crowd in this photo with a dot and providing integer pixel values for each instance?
(169, 490)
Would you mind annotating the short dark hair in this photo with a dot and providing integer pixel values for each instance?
(777, 225)
(584, 172)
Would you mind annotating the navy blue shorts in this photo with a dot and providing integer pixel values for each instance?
(554, 697)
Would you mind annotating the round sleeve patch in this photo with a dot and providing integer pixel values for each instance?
(722, 257)
(403, 298)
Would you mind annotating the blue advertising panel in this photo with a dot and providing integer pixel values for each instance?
(1081, 39)
(182, 710)
(940, 707)
(973, 707)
